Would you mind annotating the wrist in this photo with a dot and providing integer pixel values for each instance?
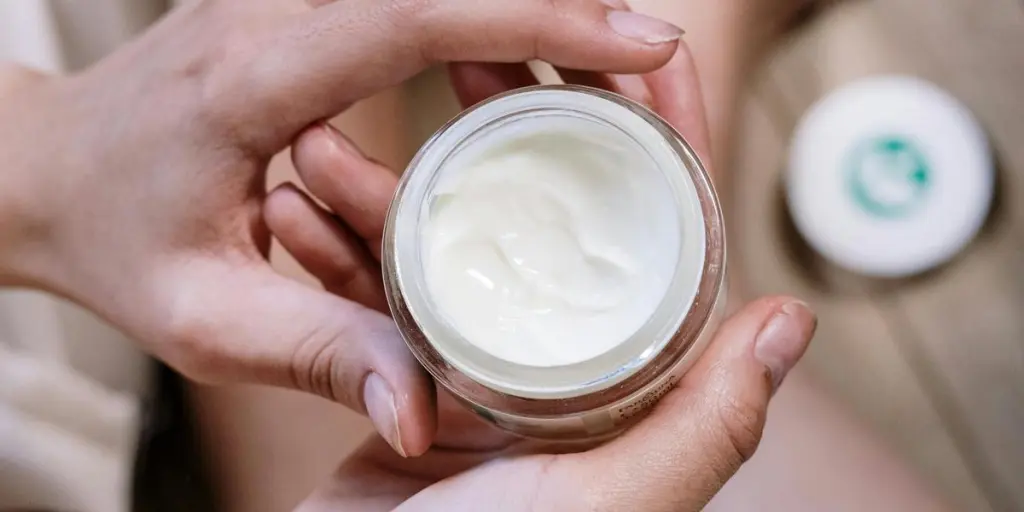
(22, 247)
(24, 226)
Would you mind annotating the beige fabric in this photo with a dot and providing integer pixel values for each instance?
(66, 442)
(70, 386)
(28, 35)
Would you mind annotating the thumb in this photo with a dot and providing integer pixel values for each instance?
(245, 323)
(703, 431)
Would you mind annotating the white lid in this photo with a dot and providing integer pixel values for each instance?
(889, 176)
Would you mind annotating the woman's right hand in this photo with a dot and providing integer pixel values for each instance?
(675, 459)
(136, 188)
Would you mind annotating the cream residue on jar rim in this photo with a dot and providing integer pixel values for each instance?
(550, 246)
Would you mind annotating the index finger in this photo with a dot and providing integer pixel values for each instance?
(345, 51)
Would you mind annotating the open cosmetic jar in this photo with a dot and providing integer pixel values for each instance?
(555, 258)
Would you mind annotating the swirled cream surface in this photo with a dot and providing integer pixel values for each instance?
(550, 245)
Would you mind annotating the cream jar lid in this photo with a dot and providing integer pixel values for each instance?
(889, 176)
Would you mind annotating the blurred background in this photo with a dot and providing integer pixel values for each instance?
(933, 363)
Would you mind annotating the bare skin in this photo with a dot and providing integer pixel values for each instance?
(152, 215)
(814, 456)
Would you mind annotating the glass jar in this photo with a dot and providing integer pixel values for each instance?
(601, 396)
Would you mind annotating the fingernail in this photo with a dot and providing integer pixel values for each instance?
(644, 29)
(380, 406)
(339, 139)
(784, 338)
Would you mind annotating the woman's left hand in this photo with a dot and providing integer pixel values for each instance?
(136, 187)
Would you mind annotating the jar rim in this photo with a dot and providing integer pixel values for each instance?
(678, 342)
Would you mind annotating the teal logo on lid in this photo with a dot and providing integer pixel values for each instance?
(888, 176)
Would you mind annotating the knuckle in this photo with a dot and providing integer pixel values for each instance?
(344, 272)
(220, 58)
(420, 23)
(742, 425)
(515, 33)
(284, 209)
(316, 366)
(214, 75)
(556, 18)
(204, 55)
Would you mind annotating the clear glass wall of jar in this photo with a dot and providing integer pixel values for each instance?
(594, 398)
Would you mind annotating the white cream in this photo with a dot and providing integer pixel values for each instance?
(550, 244)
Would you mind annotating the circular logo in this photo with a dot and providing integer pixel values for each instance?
(888, 176)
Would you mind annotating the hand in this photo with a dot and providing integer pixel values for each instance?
(136, 188)
(674, 460)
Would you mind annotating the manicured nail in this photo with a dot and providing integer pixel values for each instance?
(784, 338)
(339, 140)
(644, 29)
(380, 406)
